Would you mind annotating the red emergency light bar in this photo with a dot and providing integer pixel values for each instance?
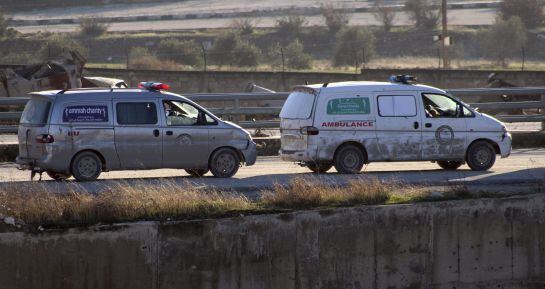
(153, 85)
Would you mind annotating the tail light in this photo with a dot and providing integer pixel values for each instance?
(309, 130)
(44, 138)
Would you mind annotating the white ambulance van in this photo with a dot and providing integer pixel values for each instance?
(349, 124)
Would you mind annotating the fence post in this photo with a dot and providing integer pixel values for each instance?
(543, 111)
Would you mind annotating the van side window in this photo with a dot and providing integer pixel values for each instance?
(396, 105)
(180, 113)
(442, 106)
(136, 113)
(353, 105)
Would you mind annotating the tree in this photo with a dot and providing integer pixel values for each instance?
(354, 45)
(92, 27)
(291, 25)
(504, 39)
(244, 26)
(57, 44)
(529, 11)
(335, 18)
(296, 57)
(230, 49)
(422, 13)
(186, 52)
(3, 23)
(384, 14)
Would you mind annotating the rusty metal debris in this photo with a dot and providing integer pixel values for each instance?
(63, 72)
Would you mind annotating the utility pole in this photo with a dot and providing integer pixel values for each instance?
(445, 39)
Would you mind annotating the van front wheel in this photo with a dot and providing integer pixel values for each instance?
(224, 163)
(86, 166)
(481, 156)
(349, 159)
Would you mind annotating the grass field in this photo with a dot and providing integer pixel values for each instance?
(36, 205)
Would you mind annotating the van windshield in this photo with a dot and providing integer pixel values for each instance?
(298, 105)
(36, 112)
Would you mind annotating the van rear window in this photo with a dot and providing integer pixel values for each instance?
(36, 112)
(298, 105)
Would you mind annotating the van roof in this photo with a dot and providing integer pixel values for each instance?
(94, 92)
(349, 86)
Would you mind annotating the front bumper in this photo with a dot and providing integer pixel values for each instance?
(506, 145)
(250, 154)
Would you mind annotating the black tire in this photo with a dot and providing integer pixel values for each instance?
(224, 163)
(481, 156)
(319, 168)
(86, 166)
(450, 165)
(349, 159)
(197, 172)
(58, 176)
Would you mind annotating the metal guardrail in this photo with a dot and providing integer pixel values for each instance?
(232, 105)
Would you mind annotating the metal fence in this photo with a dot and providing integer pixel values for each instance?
(230, 105)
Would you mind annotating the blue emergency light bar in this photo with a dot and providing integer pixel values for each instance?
(405, 79)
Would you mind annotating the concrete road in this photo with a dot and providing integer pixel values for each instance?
(524, 167)
(483, 16)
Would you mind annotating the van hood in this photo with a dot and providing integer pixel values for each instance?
(488, 123)
(244, 132)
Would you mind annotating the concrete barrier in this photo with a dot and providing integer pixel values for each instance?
(485, 243)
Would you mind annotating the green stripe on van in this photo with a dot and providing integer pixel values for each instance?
(358, 105)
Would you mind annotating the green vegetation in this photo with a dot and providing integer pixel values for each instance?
(290, 26)
(529, 11)
(186, 52)
(230, 49)
(335, 18)
(58, 44)
(3, 23)
(354, 45)
(296, 58)
(422, 13)
(92, 27)
(504, 39)
(39, 205)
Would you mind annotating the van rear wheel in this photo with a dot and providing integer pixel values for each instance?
(58, 176)
(481, 156)
(450, 165)
(349, 159)
(197, 172)
(224, 163)
(319, 168)
(86, 166)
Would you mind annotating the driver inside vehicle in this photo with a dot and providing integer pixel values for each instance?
(178, 113)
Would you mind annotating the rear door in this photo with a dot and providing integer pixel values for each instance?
(296, 113)
(444, 129)
(398, 127)
(34, 121)
(138, 133)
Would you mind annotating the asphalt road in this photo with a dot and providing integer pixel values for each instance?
(524, 167)
(483, 16)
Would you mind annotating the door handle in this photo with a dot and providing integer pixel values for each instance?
(427, 124)
(169, 132)
(416, 125)
(155, 132)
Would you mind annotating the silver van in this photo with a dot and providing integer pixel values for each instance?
(84, 132)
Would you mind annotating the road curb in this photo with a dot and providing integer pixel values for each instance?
(270, 146)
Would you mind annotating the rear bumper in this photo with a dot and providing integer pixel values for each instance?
(26, 164)
(250, 154)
